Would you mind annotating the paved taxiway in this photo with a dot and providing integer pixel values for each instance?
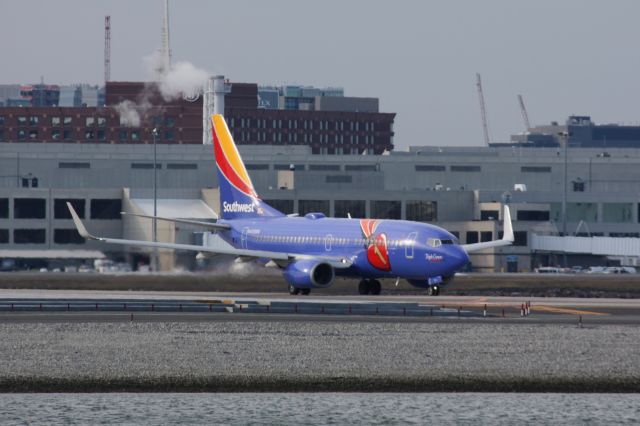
(104, 306)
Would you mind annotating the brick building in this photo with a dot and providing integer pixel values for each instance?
(133, 109)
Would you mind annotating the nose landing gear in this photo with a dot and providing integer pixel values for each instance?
(433, 290)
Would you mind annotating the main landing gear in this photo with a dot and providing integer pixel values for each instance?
(433, 290)
(294, 291)
(369, 287)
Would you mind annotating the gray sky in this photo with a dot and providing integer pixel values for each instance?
(419, 57)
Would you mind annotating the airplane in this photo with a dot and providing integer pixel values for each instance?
(313, 249)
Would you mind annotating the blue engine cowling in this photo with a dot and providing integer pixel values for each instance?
(309, 273)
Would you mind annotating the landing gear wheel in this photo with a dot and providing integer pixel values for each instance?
(364, 287)
(430, 291)
(305, 291)
(436, 291)
(293, 290)
(375, 287)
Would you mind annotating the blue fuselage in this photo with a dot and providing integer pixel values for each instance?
(377, 248)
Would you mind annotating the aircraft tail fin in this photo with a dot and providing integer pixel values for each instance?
(238, 198)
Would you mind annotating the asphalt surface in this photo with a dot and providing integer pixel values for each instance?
(78, 306)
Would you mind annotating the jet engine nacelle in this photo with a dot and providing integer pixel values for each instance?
(309, 273)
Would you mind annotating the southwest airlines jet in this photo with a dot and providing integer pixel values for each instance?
(314, 249)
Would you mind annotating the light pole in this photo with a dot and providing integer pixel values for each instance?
(565, 138)
(154, 229)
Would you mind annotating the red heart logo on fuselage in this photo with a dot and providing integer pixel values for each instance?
(377, 253)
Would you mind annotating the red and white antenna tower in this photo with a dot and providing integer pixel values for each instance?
(107, 48)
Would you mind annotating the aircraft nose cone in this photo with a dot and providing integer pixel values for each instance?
(461, 258)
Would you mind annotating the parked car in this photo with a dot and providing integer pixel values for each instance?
(620, 270)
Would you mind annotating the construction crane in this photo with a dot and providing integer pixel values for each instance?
(483, 110)
(107, 48)
(523, 110)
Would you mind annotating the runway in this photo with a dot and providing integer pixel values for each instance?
(106, 306)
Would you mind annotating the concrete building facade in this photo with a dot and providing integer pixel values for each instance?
(461, 189)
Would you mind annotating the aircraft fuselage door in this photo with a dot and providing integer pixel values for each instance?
(327, 242)
(409, 245)
(243, 238)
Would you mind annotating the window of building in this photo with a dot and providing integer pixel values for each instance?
(578, 186)
(102, 121)
(29, 208)
(101, 135)
(61, 211)
(535, 169)
(106, 208)
(338, 179)
(89, 134)
(466, 168)
(67, 134)
(575, 212)
(55, 121)
(313, 206)
(356, 208)
(472, 237)
(33, 135)
(170, 121)
(29, 236)
(422, 211)
(429, 168)
(4, 208)
(123, 135)
(67, 236)
(257, 166)
(147, 166)
(297, 167)
(89, 121)
(1, 135)
(67, 121)
(383, 209)
(533, 215)
(324, 167)
(2, 119)
(22, 121)
(4, 236)
(486, 236)
(617, 212)
(284, 206)
(520, 238)
(22, 135)
(624, 234)
(135, 135)
(74, 165)
(182, 166)
(168, 135)
(55, 134)
(361, 167)
(489, 215)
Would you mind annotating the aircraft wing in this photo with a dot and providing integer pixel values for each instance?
(211, 225)
(336, 262)
(507, 238)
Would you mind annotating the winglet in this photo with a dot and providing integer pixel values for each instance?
(508, 227)
(79, 225)
(506, 240)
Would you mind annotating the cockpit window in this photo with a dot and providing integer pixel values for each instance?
(434, 242)
(447, 242)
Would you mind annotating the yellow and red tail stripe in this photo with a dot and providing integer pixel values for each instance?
(228, 159)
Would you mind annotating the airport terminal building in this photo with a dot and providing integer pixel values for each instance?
(461, 189)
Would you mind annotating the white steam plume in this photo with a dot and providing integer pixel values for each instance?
(184, 79)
